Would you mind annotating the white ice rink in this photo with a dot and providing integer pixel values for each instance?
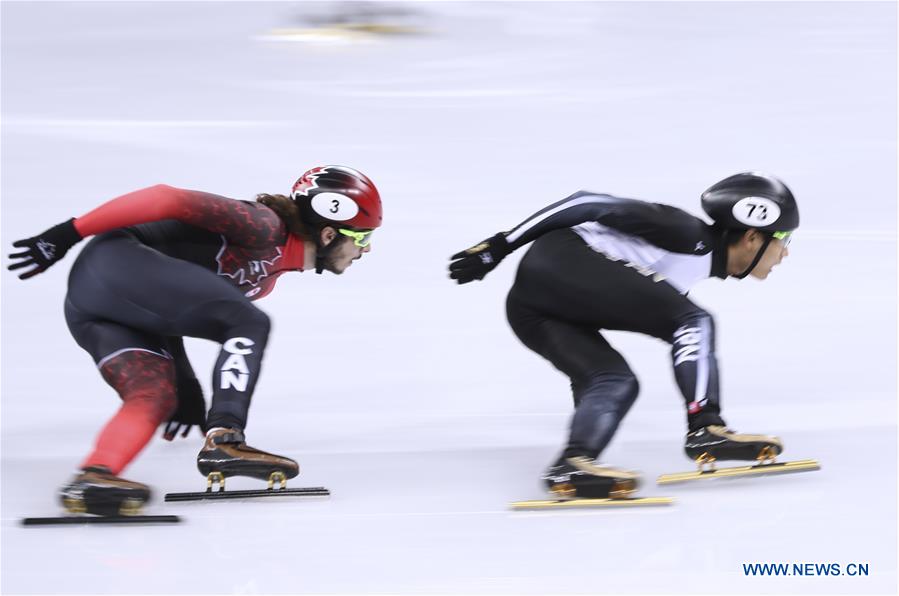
(408, 396)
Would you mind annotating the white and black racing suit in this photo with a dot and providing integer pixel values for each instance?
(604, 262)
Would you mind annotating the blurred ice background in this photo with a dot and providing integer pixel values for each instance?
(408, 396)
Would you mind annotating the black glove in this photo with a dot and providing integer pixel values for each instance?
(45, 249)
(191, 410)
(479, 260)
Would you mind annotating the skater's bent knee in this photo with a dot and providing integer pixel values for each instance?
(607, 378)
(226, 318)
(243, 313)
(618, 387)
(256, 319)
(694, 330)
(696, 318)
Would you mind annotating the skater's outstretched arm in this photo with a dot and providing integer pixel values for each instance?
(241, 222)
(664, 226)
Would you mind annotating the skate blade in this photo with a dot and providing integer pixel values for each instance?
(346, 32)
(805, 465)
(101, 519)
(590, 503)
(315, 491)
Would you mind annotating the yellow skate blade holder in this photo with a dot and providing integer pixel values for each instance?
(589, 503)
(131, 507)
(75, 506)
(214, 478)
(278, 477)
(563, 491)
(706, 462)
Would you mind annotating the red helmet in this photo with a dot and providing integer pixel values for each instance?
(338, 196)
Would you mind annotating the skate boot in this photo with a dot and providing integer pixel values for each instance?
(581, 477)
(98, 491)
(712, 443)
(226, 453)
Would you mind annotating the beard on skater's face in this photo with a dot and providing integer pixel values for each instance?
(343, 254)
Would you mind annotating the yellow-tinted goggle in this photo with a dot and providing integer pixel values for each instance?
(362, 239)
(784, 237)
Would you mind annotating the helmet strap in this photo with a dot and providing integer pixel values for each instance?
(758, 257)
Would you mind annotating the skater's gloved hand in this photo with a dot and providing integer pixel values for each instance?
(44, 249)
(191, 411)
(479, 260)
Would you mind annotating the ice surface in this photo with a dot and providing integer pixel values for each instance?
(409, 397)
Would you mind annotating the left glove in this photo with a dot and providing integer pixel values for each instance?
(191, 411)
(479, 260)
(45, 248)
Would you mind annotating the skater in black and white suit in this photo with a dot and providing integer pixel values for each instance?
(603, 262)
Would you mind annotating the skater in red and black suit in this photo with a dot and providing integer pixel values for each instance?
(603, 262)
(167, 263)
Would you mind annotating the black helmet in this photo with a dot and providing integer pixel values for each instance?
(752, 200)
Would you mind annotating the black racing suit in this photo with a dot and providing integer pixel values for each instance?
(603, 262)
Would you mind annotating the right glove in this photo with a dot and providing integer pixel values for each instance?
(45, 248)
(191, 411)
(479, 260)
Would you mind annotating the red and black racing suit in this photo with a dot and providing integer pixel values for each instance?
(168, 263)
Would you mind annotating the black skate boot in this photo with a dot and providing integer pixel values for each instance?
(581, 477)
(99, 492)
(712, 443)
(226, 454)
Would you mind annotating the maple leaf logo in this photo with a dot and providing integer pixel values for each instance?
(244, 266)
(307, 182)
